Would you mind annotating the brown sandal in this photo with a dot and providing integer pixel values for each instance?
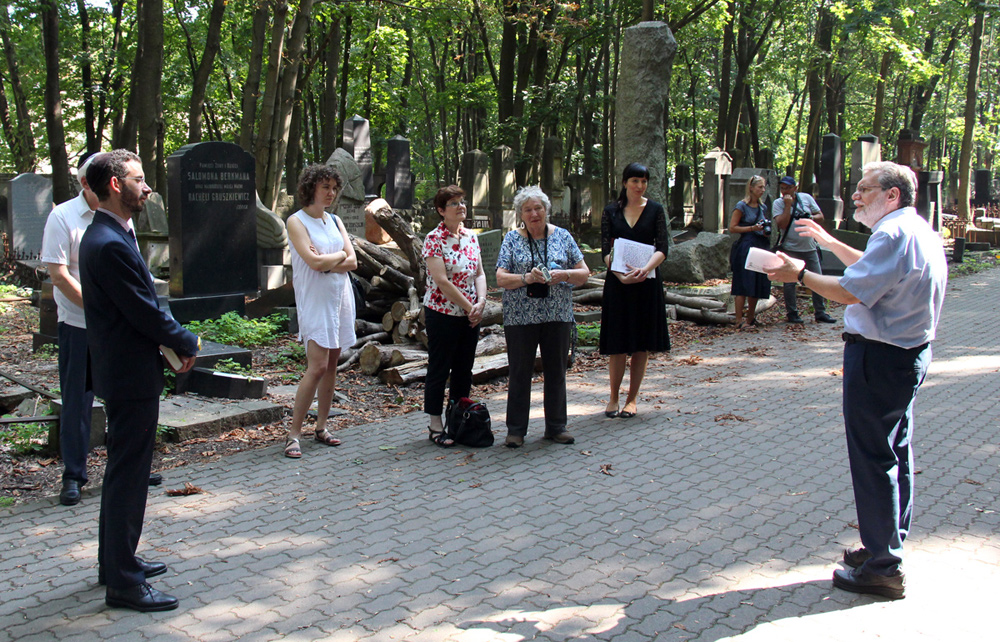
(324, 437)
(292, 449)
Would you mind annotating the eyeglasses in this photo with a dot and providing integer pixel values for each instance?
(458, 204)
(868, 188)
(139, 180)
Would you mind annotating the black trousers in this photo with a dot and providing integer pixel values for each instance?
(451, 350)
(77, 402)
(813, 265)
(880, 384)
(522, 342)
(131, 437)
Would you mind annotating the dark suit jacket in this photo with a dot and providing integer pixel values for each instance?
(125, 327)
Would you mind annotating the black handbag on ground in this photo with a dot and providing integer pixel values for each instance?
(468, 423)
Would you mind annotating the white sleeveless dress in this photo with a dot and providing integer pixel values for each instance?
(324, 301)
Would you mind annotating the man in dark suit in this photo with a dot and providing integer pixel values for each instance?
(125, 328)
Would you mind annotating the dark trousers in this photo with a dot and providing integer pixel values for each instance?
(880, 384)
(451, 349)
(77, 402)
(131, 437)
(813, 265)
(522, 343)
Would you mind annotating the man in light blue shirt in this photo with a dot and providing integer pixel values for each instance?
(895, 291)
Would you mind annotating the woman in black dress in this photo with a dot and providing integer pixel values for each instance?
(749, 220)
(633, 316)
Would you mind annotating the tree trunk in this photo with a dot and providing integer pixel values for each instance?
(331, 115)
(86, 76)
(61, 190)
(251, 88)
(263, 142)
(204, 71)
(21, 139)
(971, 89)
(148, 101)
(883, 74)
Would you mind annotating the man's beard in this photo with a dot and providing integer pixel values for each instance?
(131, 202)
(871, 213)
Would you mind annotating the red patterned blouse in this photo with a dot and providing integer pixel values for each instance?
(460, 253)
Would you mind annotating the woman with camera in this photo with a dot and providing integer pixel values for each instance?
(538, 266)
(750, 221)
(453, 307)
(633, 313)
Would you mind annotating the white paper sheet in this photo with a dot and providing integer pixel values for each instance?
(626, 252)
(760, 260)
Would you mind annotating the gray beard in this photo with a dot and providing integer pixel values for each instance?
(867, 217)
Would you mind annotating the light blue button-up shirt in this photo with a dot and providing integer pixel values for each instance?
(900, 282)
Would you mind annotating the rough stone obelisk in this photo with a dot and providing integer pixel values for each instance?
(643, 88)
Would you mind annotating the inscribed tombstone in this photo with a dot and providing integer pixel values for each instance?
(213, 222)
(29, 201)
(358, 143)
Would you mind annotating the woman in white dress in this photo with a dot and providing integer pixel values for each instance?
(322, 255)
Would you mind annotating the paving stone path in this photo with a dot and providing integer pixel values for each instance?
(724, 510)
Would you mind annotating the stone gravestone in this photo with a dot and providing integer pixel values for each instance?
(864, 150)
(211, 195)
(489, 247)
(398, 177)
(929, 197)
(736, 189)
(350, 205)
(152, 233)
(982, 181)
(831, 167)
(29, 201)
(578, 187)
(358, 143)
(551, 180)
(644, 77)
(502, 188)
(475, 180)
(718, 165)
(682, 196)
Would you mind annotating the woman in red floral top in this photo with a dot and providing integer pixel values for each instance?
(453, 307)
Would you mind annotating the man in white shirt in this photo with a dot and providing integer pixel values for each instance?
(61, 253)
(894, 292)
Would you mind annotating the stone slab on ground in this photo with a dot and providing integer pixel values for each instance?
(189, 417)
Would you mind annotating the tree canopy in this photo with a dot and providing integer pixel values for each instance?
(761, 78)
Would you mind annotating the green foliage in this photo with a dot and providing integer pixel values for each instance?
(23, 438)
(169, 382)
(47, 352)
(973, 263)
(232, 329)
(7, 502)
(230, 366)
(588, 334)
(293, 357)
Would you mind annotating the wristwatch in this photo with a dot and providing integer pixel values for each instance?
(802, 275)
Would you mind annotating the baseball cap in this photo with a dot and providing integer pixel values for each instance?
(788, 180)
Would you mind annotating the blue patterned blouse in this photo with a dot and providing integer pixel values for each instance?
(516, 257)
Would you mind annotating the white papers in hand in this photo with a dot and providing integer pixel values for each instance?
(760, 260)
(627, 253)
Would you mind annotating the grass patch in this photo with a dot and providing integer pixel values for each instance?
(23, 438)
(973, 263)
(588, 334)
(234, 330)
(230, 366)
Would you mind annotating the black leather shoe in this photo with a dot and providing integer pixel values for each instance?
(141, 597)
(155, 479)
(795, 318)
(70, 493)
(858, 580)
(823, 317)
(151, 569)
(857, 557)
(561, 438)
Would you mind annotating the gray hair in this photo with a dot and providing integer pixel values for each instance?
(894, 175)
(531, 192)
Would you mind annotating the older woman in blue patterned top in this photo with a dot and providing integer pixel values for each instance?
(538, 266)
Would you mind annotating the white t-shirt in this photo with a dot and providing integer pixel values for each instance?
(61, 244)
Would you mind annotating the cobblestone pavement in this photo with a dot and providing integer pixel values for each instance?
(725, 511)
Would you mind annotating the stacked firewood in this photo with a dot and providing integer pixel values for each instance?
(392, 340)
(686, 308)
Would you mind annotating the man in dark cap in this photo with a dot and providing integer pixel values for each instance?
(125, 331)
(791, 207)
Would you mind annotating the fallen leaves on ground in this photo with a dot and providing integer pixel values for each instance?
(189, 489)
(606, 469)
(729, 417)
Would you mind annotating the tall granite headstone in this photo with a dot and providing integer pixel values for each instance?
(982, 181)
(489, 248)
(682, 195)
(718, 165)
(502, 188)
(475, 180)
(831, 168)
(864, 150)
(644, 78)
(398, 177)
(29, 201)
(551, 180)
(350, 205)
(358, 143)
(929, 197)
(211, 196)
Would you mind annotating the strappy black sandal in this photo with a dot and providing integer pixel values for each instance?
(440, 438)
